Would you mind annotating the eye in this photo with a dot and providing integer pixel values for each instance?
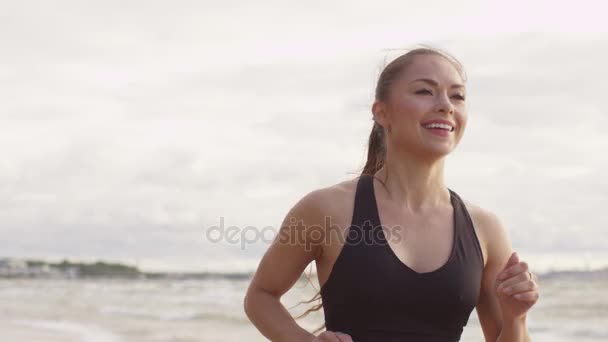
(426, 91)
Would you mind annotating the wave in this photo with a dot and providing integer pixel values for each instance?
(87, 333)
(173, 315)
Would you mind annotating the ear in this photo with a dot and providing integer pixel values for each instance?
(380, 113)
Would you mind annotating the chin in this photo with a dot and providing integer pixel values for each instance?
(438, 152)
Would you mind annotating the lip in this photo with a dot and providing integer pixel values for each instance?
(442, 121)
(440, 132)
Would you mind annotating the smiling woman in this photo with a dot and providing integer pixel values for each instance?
(402, 257)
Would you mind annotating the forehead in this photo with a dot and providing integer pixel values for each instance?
(432, 67)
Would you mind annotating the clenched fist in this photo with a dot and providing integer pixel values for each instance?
(332, 336)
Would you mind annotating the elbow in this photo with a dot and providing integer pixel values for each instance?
(247, 304)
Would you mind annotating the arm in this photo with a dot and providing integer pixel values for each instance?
(515, 330)
(497, 324)
(280, 267)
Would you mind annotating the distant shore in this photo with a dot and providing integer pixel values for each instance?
(27, 268)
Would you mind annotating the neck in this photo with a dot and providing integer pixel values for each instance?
(416, 185)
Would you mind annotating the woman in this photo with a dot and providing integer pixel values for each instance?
(399, 255)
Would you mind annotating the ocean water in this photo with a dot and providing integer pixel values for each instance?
(211, 310)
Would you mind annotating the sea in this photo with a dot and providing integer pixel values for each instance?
(571, 308)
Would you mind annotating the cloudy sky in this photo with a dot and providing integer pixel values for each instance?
(128, 129)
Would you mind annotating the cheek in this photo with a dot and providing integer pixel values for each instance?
(409, 112)
(463, 120)
(408, 104)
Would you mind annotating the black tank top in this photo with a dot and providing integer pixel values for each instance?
(374, 297)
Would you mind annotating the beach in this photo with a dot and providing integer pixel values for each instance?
(106, 310)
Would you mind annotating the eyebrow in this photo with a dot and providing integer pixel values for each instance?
(434, 83)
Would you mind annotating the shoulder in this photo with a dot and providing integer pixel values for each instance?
(333, 201)
(320, 208)
(329, 199)
(491, 232)
(484, 219)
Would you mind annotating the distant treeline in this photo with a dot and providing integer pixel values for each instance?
(16, 268)
(97, 269)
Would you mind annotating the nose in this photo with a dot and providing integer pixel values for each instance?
(445, 105)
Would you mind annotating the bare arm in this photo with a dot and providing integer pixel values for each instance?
(494, 325)
(280, 268)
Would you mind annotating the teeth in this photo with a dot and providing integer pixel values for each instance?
(440, 125)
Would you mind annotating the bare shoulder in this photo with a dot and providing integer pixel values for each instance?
(330, 200)
(490, 230)
(483, 218)
(297, 243)
(330, 206)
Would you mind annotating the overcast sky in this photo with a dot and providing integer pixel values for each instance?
(129, 128)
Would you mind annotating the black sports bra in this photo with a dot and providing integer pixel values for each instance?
(374, 297)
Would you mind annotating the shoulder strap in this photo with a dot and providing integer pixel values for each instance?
(365, 208)
(465, 228)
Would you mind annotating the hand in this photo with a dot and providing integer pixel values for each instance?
(516, 288)
(332, 336)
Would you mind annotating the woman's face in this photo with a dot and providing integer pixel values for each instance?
(430, 88)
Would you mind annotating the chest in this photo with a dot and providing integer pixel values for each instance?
(423, 242)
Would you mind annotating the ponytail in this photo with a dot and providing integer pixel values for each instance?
(376, 151)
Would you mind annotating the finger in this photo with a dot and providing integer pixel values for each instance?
(513, 270)
(530, 296)
(518, 278)
(513, 259)
(517, 267)
(534, 277)
(520, 287)
(344, 337)
(329, 336)
(507, 284)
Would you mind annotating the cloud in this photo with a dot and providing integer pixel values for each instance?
(127, 132)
